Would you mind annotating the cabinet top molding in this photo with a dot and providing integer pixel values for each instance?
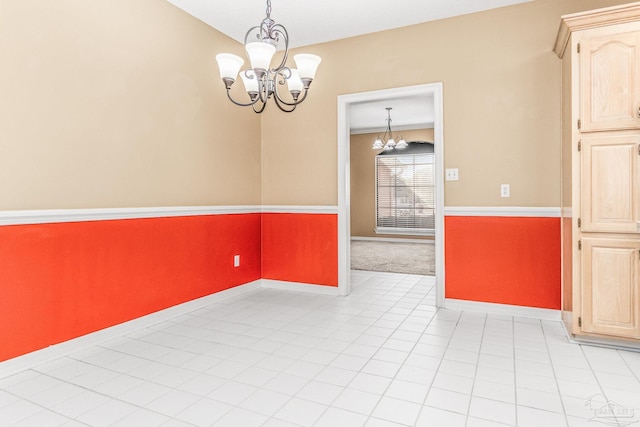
(629, 12)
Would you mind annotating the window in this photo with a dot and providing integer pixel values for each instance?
(405, 194)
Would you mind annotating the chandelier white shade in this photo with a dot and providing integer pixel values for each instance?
(387, 142)
(307, 64)
(260, 81)
(229, 65)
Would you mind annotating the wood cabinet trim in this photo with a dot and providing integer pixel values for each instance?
(593, 19)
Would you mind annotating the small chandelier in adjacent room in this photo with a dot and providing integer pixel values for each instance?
(387, 142)
(260, 81)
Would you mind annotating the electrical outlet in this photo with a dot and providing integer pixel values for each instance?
(505, 191)
(451, 174)
(236, 260)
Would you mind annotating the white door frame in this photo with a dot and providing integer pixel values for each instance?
(344, 181)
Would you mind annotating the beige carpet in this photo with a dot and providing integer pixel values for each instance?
(411, 258)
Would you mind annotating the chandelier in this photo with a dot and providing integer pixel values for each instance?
(260, 81)
(391, 142)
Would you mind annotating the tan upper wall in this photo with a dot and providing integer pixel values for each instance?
(118, 103)
(115, 103)
(363, 180)
(502, 112)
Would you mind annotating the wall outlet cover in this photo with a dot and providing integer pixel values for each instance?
(505, 190)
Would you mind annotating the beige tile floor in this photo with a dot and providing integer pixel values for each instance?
(382, 357)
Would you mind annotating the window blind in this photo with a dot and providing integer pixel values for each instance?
(405, 192)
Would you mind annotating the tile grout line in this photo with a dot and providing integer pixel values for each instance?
(370, 416)
(475, 374)
(328, 330)
(381, 395)
(555, 377)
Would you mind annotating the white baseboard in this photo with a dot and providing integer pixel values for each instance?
(38, 357)
(299, 287)
(596, 341)
(567, 322)
(604, 342)
(505, 309)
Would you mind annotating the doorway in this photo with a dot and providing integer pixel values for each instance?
(429, 93)
(392, 204)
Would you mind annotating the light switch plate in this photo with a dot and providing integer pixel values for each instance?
(451, 174)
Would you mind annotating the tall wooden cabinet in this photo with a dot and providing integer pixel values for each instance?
(600, 52)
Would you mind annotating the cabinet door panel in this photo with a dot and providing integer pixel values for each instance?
(610, 88)
(610, 286)
(610, 183)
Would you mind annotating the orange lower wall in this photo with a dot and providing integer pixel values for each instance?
(506, 260)
(300, 248)
(61, 281)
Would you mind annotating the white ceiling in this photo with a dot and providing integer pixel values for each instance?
(407, 113)
(311, 22)
(321, 21)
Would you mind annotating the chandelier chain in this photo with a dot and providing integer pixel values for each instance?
(268, 8)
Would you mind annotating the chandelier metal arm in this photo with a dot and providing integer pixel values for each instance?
(257, 29)
(285, 73)
(261, 109)
(269, 31)
(240, 104)
(276, 30)
(264, 85)
(295, 102)
(281, 105)
(388, 130)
